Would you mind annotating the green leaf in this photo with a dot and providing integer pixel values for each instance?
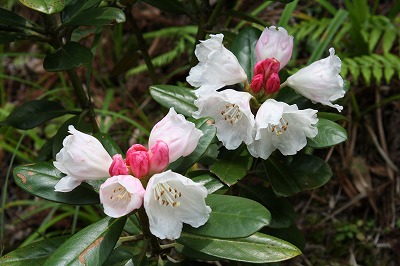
(40, 178)
(108, 143)
(9, 18)
(90, 246)
(33, 254)
(281, 209)
(389, 37)
(329, 134)
(34, 113)
(99, 16)
(171, 6)
(330, 32)
(232, 217)
(303, 172)
(291, 234)
(209, 132)
(331, 116)
(243, 47)
(211, 183)
(181, 98)
(45, 6)
(74, 7)
(232, 165)
(287, 13)
(70, 56)
(257, 248)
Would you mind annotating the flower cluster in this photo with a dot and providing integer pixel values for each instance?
(276, 125)
(168, 198)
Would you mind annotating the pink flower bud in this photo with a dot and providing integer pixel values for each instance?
(273, 84)
(137, 157)
(159, 157)
(118, 166)
(266, 76)
(275, 43)
(257, 83)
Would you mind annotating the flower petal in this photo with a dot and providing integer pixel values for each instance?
(217, 66)
(231, 112)
(320, 82)
(83, 157)
(172, 199)
(180, 135)
(67, 184)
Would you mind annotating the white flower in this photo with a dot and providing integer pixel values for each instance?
(180, 135)
(231, 112)
(121, 194)
(217, 66)
(275, 43)
(283, 127)
(172, 199)
(82, 158)
(320, 82)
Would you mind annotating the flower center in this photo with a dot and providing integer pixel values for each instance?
(232, 113)
(120, 193)
(166, 195)
(278, 128)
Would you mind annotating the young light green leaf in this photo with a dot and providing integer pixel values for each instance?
(232, 217)
(181, 98)
(90, 246)
(70, 56)
(40, 178)
(45, 6)
(329, 134)
(33, 254)
(257, 248)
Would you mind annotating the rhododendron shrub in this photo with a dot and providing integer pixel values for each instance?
(206, 181)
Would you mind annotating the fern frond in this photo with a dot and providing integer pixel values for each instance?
(381, 68)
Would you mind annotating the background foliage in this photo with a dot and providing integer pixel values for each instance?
(353, 219)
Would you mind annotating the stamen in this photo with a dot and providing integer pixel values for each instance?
(166, 195)
(279, 128)
(120, 194)
(232, 113)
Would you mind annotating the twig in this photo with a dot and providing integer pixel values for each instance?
(143, 49)
(380, 149)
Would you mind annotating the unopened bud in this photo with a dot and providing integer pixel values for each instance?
(118, 166)
(137, 157)
(159, 157)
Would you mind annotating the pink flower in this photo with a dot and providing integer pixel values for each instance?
(217, 66)
(159, 157)
(82, 158)
(137, 158)
(275, 43)
(180, 135)
(121, 194)
(321, 81)
(118, 166)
